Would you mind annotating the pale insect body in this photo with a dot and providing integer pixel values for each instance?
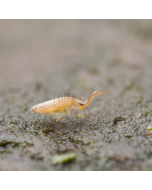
(62, 104)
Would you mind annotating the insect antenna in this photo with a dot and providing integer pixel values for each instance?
(93, 95)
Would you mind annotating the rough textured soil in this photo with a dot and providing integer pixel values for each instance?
(43, 58)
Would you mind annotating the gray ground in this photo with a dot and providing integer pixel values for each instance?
(43, 58)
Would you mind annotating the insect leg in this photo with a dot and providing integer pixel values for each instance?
(84, 112)
(61, 115)
(43, 115)
(74, 114)
(51, 117)
(51, 113)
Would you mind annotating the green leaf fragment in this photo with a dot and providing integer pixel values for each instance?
(81, 116)
(149, 128)
(60, 159)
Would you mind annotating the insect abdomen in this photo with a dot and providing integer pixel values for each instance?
(52, 105)
(44, 107)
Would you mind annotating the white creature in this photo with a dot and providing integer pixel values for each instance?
(62, 104)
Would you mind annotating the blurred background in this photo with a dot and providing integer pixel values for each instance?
(79, 56)
(43, 58)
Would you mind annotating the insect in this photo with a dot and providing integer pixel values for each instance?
(62, 104)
